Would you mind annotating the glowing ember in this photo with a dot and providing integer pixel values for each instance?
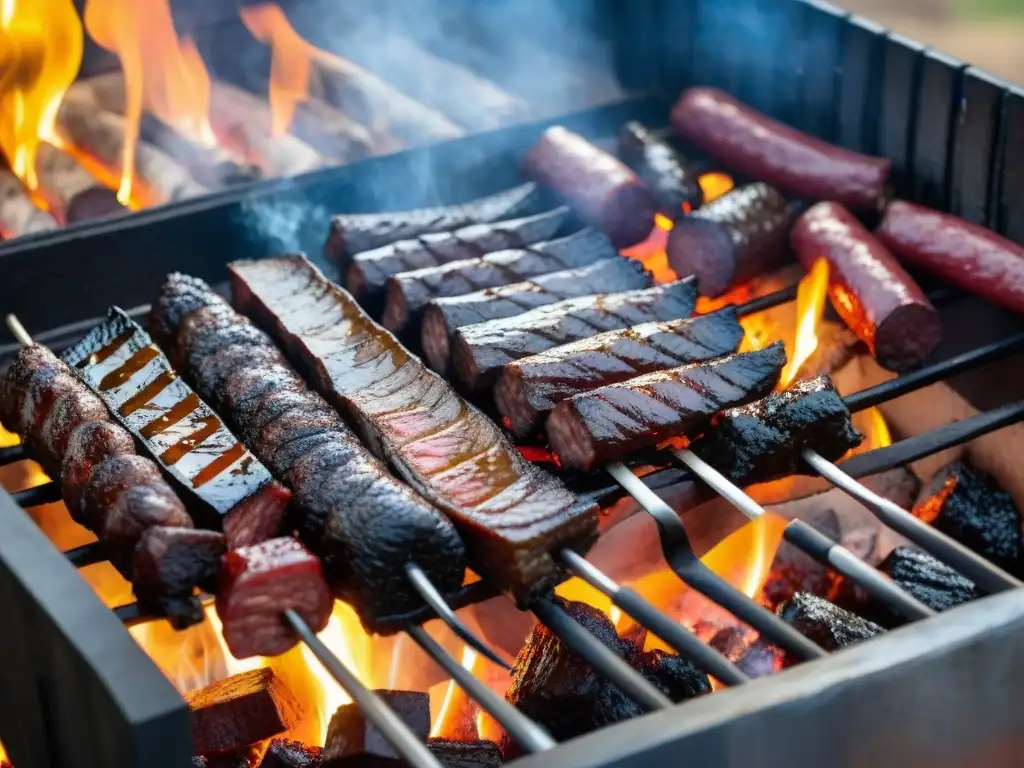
(810, 304)
(877, 430)
(714, 185)
(40, 52)
(447, 724)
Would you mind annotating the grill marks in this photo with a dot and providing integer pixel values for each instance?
(512, 515)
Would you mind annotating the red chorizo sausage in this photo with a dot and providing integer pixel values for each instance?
(799, 165)
(876, 298)
(970, 256)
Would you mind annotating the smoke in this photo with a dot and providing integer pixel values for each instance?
(286, 223)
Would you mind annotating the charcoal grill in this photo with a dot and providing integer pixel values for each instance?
(78, 692)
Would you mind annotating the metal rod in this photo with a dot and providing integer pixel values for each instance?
(580, 641)
(47, 493)
(398, 734)
(12, 453)
(675, 545)
(769, 301)
(530, 736)
(426, 589)
(681, 640)
(814, 543)
(87, 554)
(972, 565)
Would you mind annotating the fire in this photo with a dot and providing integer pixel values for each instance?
(162, 74)
(878, 431)
(39, 58)
(453, 707)
(810, 304)
(714, 185)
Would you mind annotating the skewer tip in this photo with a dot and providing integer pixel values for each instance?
(18, 330)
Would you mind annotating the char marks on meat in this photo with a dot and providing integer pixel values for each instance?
(513, 516)
(604, 424)
(357, 232)
(369, 271)
(349, 510)
(482, 350)
(442, 317)
(529, 388)
(763, 441)
(410, 292)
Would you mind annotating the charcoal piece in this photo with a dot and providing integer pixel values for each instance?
(197, 762)
(283, 753)
(966, 504)
(825, 623)
(763, 441)
(180, 612)
(672, 183)
(354, 740)
(761, 659)
(673, 675)
(466, 754)
(244, 758)
(922, 576)
(172, 561)
(243, 709)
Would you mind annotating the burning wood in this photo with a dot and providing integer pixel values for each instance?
(71, 192)
(241, 710)
(18, 214)
(351, 737)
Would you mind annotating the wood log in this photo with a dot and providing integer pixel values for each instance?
(354, 740)
(241, 710)
(329, 131)
(100, 134)
(71, 192)
(18, 214)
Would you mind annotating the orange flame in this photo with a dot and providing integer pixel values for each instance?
(714, 185)
(810, 304)
(444, 725)
(40, 52)
(877, 429)
(162, 74)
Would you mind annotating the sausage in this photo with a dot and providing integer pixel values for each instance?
(732, 239)
(970, 256)
(607, 193)
(873, 294)
(672, 183)
(757, 146)
(90, 443)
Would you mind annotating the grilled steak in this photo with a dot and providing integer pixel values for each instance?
(349, 510)
(482, 350)
(356, 232)
(369, 271)
(513, 517)
(672, 184)
(408, 293)
(763, 441)
(444, 316)
(604, 424)
(529, 388)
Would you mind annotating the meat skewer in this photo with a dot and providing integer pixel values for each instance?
(673, 185)
(409, 292)
(608, 194)
(732, 239)
(604, 424)
(442, 317)
(481, 350)
(529, 388)
(18, 214)
(873, 294)
(369, 271)
(797, 164)
(353, 233)
(513, 517)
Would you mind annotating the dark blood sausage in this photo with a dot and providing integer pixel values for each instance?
(368, 272)
(607, 193)
(672, 183)
(226, 485)
(529, 388)
(349, 510)
(873, 294)
(353, 233)
(970, 256)
(763, 441)
(409, 293)
(444, 316)
(257, 584)
(732, 239)
(514, 517)
(481, 350)
(798, 165)
(603, 425)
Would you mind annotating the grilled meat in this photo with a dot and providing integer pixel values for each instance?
(608, 194)
(604, 424)
(353, 233)
(967, 505)
(481, 350)
(408, 293)
(673, 185)
(763, 441)
(369, 271)
(824, 623)
(442, 317)
(349, 510)
(732, 239)
(170, 561)
(529, 388)
(513, 516)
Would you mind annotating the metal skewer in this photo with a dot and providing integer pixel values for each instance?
(813, 542)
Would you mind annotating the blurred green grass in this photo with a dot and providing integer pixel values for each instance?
(987, 9)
